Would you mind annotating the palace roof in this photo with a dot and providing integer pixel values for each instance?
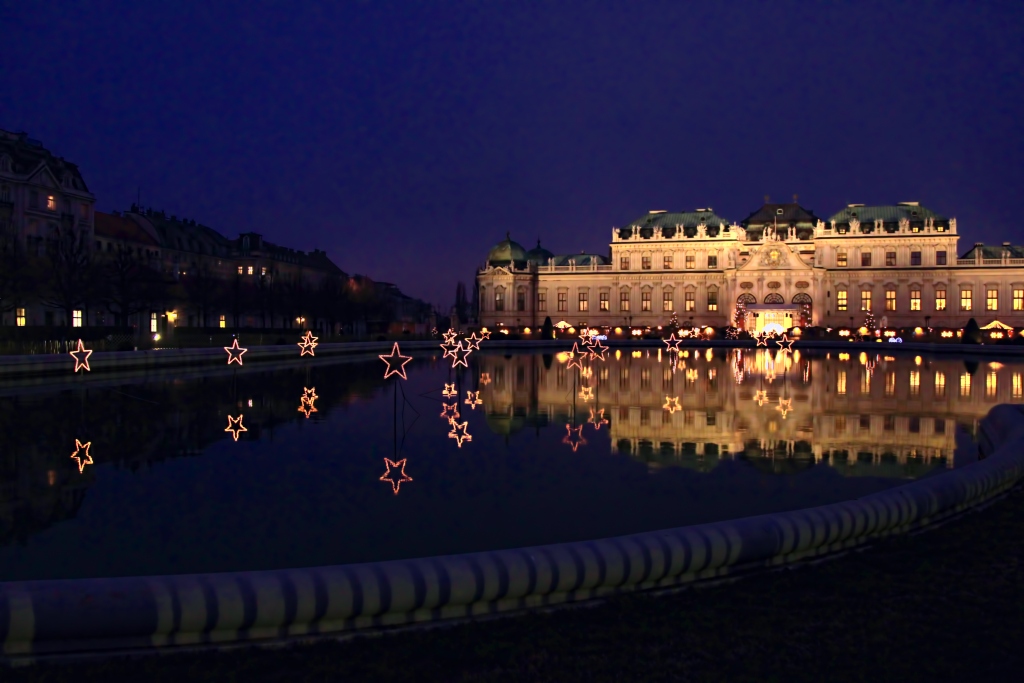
(786, 215)
(26, 155)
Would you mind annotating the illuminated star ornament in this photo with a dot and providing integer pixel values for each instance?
(760, 396)
(672, 404)
(485, 378)
(485, 335)
(473, 342)
(449, 349)
(449, 336)
(235, 426)
(597, 419)
(306, 406)
(785, 405)
(81, 458)
(586, 394)
(672, 344)
(235, 352)
(785, 343)
(460, 356)
(449, 390)
(307, 344)
(597, 349)
(473, 399)
(460, 432)
(449, 411)
(396, 363)
(576, 359)
(762, 339)
(574, 437)
(395, 474)
(81, 356)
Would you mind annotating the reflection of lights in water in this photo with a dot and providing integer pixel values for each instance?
(459, 432)
(485, 379)
(81, 356)
(587, 372)
(672, 404)
(637, 354)
(307, 344)
(708, 355)
(395, 474)
(449, 411)
(485, 334)
(761, 395)
(449, 390)
(473, 399)
(597, 419)
(460, 355)
(395, 362)
(562, 356)
(80, 457)
(449, 349)
(250, 403)
(785, 405)
(597, 350)
(51, 476)
(309, 394)
(574, 437)
(575, 357)
(235, 426)
(235, 352)
(586, 394)
(306, 403)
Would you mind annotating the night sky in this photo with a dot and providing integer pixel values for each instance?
(407, 138)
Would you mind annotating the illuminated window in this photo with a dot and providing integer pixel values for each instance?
(890, 383)
(890, 258)
(583, 303)
(521, 300)
(991, 385)
(940, 258)
(965, 384)
(263, 270)
(76, 318)
(940, 299)
(840, 299)
(691, 261)
(1018, 299)
(841, 259)
(713, 301)
(153, 322)
(890, 299)
(223, 322)
(51, 202)
(991, 299)
(645, 301)
(240, 271)
(965, 299)
(691, 301)
(865, 260)
(940, 384)
(915, 258)
(915, 382)
(499, 301)
(865, 300)
(713, 261)
(667, 262)
(563, 301)
(19, 317)
(605, 304)
(841, 383)
(645, 262)
(666, 301)
(250, 271)
(915, 299)
(1018, 386)
(624, 301)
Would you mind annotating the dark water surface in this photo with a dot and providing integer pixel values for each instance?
(170, 491)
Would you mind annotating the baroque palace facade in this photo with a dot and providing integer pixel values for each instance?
(786, 266)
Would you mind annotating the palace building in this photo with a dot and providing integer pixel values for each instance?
(780, 267)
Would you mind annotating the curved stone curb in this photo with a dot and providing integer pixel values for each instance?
(47, 617)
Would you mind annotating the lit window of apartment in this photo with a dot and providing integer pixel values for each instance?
(940, 258)
(19, 317)
(250, 270)
(890, 299)
(645, 301)
(915, 382)
(841, 259)
(76, 318)
(623, 263)
(563, 301)
(645, 262)
(940, 299)
(263, 270)
(153, 322)
(584, 304)
(965, 384)
(940, 384)
(865, 260)
(223, 322)
(713, 261)
(499, 301)
(691, 261)
(712, 301)
(991, 299)
(840, 299)
(691, 301)
(51, 202)
(890, 258)
(667, 262)
(666, 301)
(240, 270)
(966, 299)
(542, 301)
(915, 258)
(865, 300)
(1018, 299)
(604, 303)
(915, 299)
(623, 301)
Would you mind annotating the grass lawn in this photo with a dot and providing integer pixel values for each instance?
(945, 605)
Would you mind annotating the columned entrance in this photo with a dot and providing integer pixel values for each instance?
(772, 317)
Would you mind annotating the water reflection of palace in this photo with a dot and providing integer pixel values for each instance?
(838, 408)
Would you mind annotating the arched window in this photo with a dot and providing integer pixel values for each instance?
(802, 298)
(746, 299)
(774, 299)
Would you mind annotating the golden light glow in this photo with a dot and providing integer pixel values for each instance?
(449, 411)
(575, 357)
(844, 356)
(637, 354)
(485, 379)
(785, 405)
(235, 352)
(672, 404)
(81, 356)
(450, 336)
(449, 390)
(618, 354)
(80, 457)
(473, 399)
(395, 362)
(235, 426)
(574, 437)
(918, 331)
(597, 419)
(459, 432)
(172, 316)
(563, 356)
(395, 474)
(307, 344)
(760, 396)
(526, 330)
(586, 394)
(618, 330)
(862, 330)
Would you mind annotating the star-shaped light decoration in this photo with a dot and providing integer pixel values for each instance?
(460, 356)
(597, 350)
(575, 357)
(785, 405)
(597, 418)
(586, 336)
(586, 394)
(672, 404)
(761, 395)
(485, 335)
(473, 399)
(449, 390)
(449, 349)
(396, 362)
(785, 343)
(449, 336)
(762, 339)
(395, 474)
(574, 437)
(307, 344)
(473, 342)
(307, 408)
(672, 343)
(235, 426)
(235, 352)
(460, 432)
(81, 458)
(449, 411)
(485, 379)
(81, 356)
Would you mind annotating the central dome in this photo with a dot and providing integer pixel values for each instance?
(506, 252)
(539, 255)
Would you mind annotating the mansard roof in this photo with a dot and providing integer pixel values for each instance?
(28, 155)
(687, 219)
(791, 214)
(889, 214)
(580, 259)
(117, 227)
(994, 252)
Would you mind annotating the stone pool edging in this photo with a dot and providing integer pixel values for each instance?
(39, 618)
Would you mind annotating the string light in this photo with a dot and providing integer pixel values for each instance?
(395, 474)
(81, 356)
(732, 333)
(308, 395)
(235, 352)
(485, 334)
(460, 356)
(449, 349)
(396, 362)
(235, 426)
(449, 390)
(762, 339)
(460, 432)
(82, 459)
(597, 349)
(306, 403)
(307, 344)
(574, 437)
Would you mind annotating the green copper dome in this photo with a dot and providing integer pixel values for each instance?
(539, 255)
(505, 252)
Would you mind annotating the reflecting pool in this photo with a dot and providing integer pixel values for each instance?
(327, 463)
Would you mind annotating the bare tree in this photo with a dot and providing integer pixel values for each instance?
(71, 279)
(128, 285)
(16, 281)
(200, 285)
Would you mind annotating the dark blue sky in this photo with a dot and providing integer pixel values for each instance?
(406, 138)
